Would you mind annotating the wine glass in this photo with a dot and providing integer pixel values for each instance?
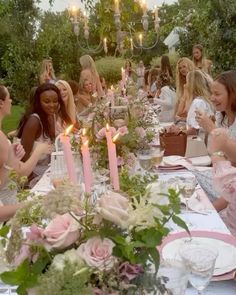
(187, 187)
(200, 260)
(173, 276)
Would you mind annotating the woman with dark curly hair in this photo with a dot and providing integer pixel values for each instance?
(39, 122)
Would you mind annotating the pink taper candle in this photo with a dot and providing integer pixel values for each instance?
(66, 146)
(86, 167)
(111, 147)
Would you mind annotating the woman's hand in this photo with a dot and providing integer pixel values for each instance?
(44, 148)
(18, 150)
(204, 121)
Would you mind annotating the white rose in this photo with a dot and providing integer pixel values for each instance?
(70, 256)
(114, 207)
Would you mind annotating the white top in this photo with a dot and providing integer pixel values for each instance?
(167, 101)
(224, 124)
(198, 104)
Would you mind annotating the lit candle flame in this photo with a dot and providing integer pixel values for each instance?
(86, 143)
(107, 127)
(84, 131)
(115, 137)
(68, 129)
(73, 9)
(112, 87)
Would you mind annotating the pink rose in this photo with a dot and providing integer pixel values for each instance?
(120, 161)
(114, 207)
(61, 232)
(22, 255)
(131, 159)
(35, 234)
(91, 116)
(102, 132)
(123, 130)
(129, 271)
(140, 132)
(97, 253)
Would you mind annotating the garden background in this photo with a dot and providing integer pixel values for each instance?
(28, 35)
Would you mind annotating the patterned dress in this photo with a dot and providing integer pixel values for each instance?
(224, 180)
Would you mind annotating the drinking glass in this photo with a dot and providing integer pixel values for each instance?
(200, 261)
(174, 277)
(157, 156)
(145, 159)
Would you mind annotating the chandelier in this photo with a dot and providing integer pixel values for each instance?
(79, 20)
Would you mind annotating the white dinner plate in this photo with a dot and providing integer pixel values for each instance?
(226, 260)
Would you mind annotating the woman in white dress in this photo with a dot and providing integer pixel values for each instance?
(166, 99)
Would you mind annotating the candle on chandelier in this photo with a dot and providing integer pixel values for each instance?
(112, 157)
(144, 7)
(140, 40)
(156, 13)
(131, 45)
(105, 45)
(87, 170)
(66, 146)
(117, 8)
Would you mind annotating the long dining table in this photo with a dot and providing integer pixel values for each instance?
(205, 220)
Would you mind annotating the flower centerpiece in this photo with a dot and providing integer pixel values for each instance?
(66, 243)
(130, 119)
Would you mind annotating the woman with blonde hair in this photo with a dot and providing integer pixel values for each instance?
(90, 73)
(68, 98)
(197, 100)
(184, 65)
(46, 74)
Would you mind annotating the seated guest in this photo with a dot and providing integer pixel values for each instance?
(184, 65)
(74, 85)
(224, 178)
(11, 154)
(198, 100)
(67, 98)
(223, 97)
(199, 60)
(46, 74)
(84, 96)
(152, 79)
(104, 84)
(39, 124)
(166, 67)
(166, 99)
(90, 73)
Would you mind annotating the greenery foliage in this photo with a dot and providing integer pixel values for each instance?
(110, 68)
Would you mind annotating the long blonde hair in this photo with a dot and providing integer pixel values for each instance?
(44, 71)
(197, 85)
(87, 62)
(70, 106)
(180, 79)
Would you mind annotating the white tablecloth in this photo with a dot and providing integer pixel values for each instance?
(210, 222)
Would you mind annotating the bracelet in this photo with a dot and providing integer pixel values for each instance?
(218, 154)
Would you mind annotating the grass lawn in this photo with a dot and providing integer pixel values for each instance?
(11, 122)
